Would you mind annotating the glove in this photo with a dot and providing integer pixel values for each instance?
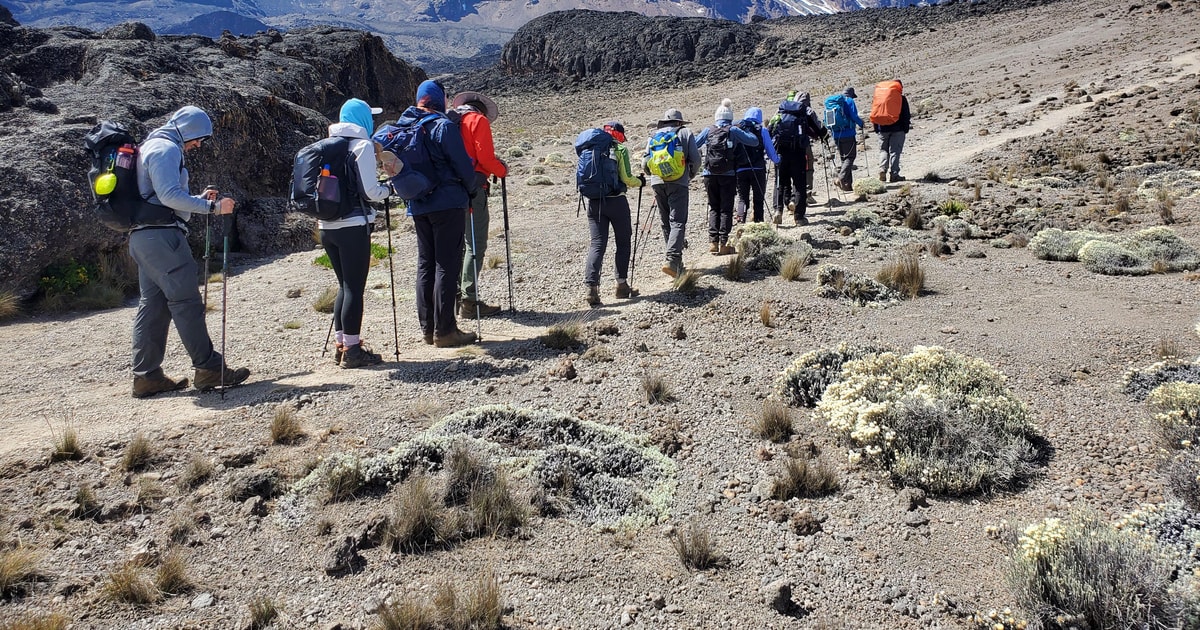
(642, 178)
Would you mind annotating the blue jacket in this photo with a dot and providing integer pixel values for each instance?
(455, 170)
(852, 114)
(755, 114)
(738, 136)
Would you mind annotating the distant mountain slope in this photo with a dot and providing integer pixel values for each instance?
(212, 24)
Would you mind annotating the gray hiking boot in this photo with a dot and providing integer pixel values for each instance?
(156, 383)
(624, 291)
(357, 356)
(207, 380)
(467, 310)
(592, 295)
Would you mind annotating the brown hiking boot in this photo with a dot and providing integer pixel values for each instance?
(883, 176)
(358, 355)
(467, 310)
(207, 380)
(453, 339)
(147, 386)
(897, 178)
(670, 271)
(778, 218)
(714, 248)
(726, 250)
(338, 351)
(429, 338)
(624, 290)
(592, 295)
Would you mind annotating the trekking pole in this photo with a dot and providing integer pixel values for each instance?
(475, 269)
(637, 222)
(825, 165)
(645, 235)
(387, 217)
(507, 246)
(226, 228)
(836, 156)
(325, 348)
(207, 247)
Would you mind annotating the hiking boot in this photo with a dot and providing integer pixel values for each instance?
(812, 200)
(726, 250)
(897, 178)
(670, 271)
(778, 218)
(467, 310)
(799, 219)
(429, 338)
(883, 176)
(147, 386)
(207, 380)
(624, 291)
(338, 351)
(792, 207)
(358, 356)
(592, 295)
(713, 247)
(453, 339)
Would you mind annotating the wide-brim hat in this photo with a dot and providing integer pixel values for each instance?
(673, 117)
(490, 109)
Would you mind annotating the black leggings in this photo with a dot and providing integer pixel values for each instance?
(349, 250)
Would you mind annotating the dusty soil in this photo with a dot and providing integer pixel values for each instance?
(1062, 335)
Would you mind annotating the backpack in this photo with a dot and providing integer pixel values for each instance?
(325, 180)
(793, 126)
(112, 179)
(596, 174)
(418, 174)
(665, 159)
(719, 151)
(885, 106)
(752, 156)
(835, 113)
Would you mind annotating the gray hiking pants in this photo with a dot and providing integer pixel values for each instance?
(602, 214)
(473, 253)
(848, 150)
(891, 144)
(169, 292)
(672, 200)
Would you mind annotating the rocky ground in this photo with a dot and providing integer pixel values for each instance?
(1038, 118)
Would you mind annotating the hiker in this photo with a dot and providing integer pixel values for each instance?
(722, 143)
(440, 217)
(752, 173)
(845, 133)
(347, 239)
(611, 210)
(810, 164)
(166, 268)
(793, 133)
(476, 114)
(891, 134)
(674, 145)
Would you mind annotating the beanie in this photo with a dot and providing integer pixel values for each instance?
(725, 111)
(430, 95)
(358, 112)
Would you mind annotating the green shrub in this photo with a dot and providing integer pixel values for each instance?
(539, 180)
(1062, 245)
(1112, 259)
(869, 186)
(953, 207)
(802, 383)
(1139, 382)
(378, 251)
(1176, 414)
(764, 248)
(323, 261)
(835, 282)
(933, 419)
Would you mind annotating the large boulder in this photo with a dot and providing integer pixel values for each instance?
(268, 95)
(6, 16)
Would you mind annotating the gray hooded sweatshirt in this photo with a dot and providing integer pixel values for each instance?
(162, 177)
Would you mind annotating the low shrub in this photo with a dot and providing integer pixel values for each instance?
(343, 479)
(869, 186)
(802, 383)
(1176, 415)
(1062, 245)
(835, 282)
(765, 249)
(953, 207)
(1182, 478)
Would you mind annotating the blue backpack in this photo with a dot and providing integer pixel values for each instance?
(835, 113)
(418, 174)
(596, 175)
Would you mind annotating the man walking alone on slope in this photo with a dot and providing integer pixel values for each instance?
(477, 112)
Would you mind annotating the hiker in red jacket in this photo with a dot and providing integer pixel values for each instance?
(477, 112)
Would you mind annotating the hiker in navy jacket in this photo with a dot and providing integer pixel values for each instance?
(440, 220)
(752, 175)
(846, 139)
(722, 185)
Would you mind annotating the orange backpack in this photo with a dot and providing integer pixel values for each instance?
(885, 106)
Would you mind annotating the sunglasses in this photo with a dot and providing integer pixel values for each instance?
(200, 141)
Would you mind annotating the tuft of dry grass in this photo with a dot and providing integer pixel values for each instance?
(791, 266)
(171, 577)
(1166, 205)
(1167, 349)
(197, 471)
(180, 526)
(492, 261)
(418, 521)
(493, 509)
(696, 549)
(86, 505)
(465, 471)
(428, 409)
(324, 302)
(804, 478)
(406, 614)
(1122, 204)
(764, 314)
(10, 305)
(285, 427)
(128, 585)
(66, 443)
(913, 219)
(480, 608)
(263, 612)
(149, 493)
(904, 275)
(687, 282)
(18, 567)
(34, 621)
(774, 421)
(344, 480)
(564, 335)
(734, 269)
(138, 454)
(656, 389)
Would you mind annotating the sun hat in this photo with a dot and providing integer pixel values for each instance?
(489, 107)
(673, 117)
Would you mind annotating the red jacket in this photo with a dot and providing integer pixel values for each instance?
(477, 136)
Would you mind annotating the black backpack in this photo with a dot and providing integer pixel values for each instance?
(112, 179)
(751, 156)
(325, 180)
(719, 151)
(791, 132)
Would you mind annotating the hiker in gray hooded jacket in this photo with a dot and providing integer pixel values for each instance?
(672, 196)
(166, 269)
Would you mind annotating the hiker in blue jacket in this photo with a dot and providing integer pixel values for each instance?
(752, 172)
(440, 219)
(846, 138)
(721, 143)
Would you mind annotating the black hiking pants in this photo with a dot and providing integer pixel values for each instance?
(791, 181)
(349, 251)
(439, 262)
(752, 182)
(722, 193)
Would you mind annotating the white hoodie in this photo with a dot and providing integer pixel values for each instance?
(369, 187)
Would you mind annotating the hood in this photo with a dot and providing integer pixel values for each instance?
(357, 111)
(348, 130)
(187, 123)
(804, 99)
(412, 115)
(754, 114)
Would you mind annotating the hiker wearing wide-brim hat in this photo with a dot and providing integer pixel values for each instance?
(672, 145)
(477, 112)
(846, 123)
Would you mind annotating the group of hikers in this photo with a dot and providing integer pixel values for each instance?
(440, 158)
